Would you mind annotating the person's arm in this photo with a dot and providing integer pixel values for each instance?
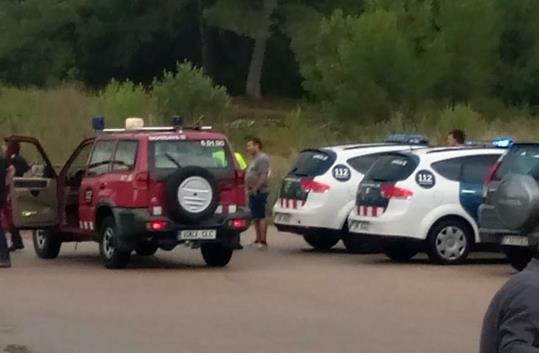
(262, 168)
(519, 331)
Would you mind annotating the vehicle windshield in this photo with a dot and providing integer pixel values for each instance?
(312, 163)
(521, 159)
(213, 154)
(391, 168)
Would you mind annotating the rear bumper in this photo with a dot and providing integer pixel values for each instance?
(387, 227)
(308, 217)
(306, 230)
(132, 227)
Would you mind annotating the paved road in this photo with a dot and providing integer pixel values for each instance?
(288, 299)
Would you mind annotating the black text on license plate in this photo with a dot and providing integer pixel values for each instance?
(513, 240)
(282, 218)
(200, 234)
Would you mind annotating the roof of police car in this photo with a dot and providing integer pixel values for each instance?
(356, 147)
(445, 152)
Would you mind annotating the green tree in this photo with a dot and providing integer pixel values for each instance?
(189, 92)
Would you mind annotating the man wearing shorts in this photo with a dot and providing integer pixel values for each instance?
(258, 188)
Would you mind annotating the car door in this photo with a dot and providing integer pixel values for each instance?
(94, 188)
(473, 172)
(34, 196)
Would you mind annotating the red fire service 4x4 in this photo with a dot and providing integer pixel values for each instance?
(135, 189)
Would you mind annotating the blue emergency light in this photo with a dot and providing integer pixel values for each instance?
(177, 121)
(502, 142)
(408, 139)
(98, 123)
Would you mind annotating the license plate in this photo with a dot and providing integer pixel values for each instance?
(514, 240)
(282, 218)
(359, 226)
(206, 234)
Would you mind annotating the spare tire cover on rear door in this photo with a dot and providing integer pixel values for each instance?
(192, 194)
(516, 201)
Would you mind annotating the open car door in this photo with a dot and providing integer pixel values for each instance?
(34, 196)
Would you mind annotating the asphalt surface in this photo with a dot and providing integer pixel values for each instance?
(286, 299)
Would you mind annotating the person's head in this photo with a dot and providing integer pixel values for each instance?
(456, 138)
(254, 146)
(11, 148)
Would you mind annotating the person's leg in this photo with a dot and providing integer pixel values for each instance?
(256, 222)
(263, 223)
(4, 252)
(16, 239)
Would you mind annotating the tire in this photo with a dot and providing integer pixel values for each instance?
(46, 244)
(357, 244)
(108, 246)
(216, 254)
(321, 241)
(449, 242)
(190, 182)
(400, 250)
(518, 257)
(146, 249)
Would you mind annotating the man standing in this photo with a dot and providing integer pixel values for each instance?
(456, 138)
(511, 324)
(5, 261)
(257, 181)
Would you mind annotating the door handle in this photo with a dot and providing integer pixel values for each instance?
(469, 191)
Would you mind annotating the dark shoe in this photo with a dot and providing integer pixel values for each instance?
(14, 247)
(5, 264)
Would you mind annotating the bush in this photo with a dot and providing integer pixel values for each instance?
(189, 92)
(120, 100)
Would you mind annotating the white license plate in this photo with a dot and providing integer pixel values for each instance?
(359, 226)
(514, 240)
(201, 234)
(282, 218)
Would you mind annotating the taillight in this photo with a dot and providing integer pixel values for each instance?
(238, 224)
(156, 226)
(142, 181)
(492, 173)
(309, 185)
(394, 192)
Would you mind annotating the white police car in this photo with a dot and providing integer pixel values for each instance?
(424, 200)
(319, 191)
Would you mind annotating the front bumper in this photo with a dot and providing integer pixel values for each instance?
(132, 228)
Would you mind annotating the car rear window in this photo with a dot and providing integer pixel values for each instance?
(212, 154)
(362, 164)
(521, 159)
(392, 168)
(475, 169)
(312, 163)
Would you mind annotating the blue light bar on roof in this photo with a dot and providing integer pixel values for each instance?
(502, 142)
(408, 139)
(98, 123)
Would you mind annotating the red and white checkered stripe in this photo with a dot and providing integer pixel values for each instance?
(291, 203)
(226, 209)
(370, 211)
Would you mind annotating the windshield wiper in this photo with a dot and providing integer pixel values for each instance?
(173, 160)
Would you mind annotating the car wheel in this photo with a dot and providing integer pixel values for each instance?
(449, 242)
(46, 244)
(518, 257)
(321, 241)
(216, 254)
(358, 244)
(146, 249)
(112, 257)
(400, 250)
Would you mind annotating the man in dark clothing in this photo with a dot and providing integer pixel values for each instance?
(21, 167)
(511, 324)
(4, 252)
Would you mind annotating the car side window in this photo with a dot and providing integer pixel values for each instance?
(450, 168)
(363, 163)
(125, 156)
(475, 169)
(101, 157)
(76, 170)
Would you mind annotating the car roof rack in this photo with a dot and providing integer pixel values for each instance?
(160, 129)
